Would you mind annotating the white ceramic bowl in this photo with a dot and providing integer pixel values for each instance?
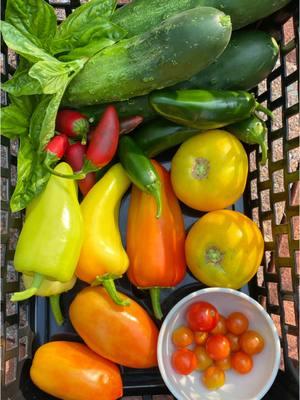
(252, 386)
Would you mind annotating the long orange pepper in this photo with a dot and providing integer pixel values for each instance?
(155, 246)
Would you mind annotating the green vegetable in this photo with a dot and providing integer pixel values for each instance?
(160, 134)
(140, 169)
(142, 15)
(252, 131)
(205, 109)
(170, 53)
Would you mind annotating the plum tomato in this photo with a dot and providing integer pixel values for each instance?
(234, 341)
(241, 362)
(182, 336)
(217, 347)
(237, 323)
(251, 342)
(220, 328)
(203, 359)
(224, 364)
(202, 316)
(200, 337)
(184, 361)
(213, 377)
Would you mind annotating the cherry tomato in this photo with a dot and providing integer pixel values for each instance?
(220, 328)
(202, 316)
(203, 359)
(184, 361)
(251, 342)
(234, 341)
(237, 323)
(217, 347)
(224, 364)
(200, 337)
(182, 336)
(213, 378)
(241, 362)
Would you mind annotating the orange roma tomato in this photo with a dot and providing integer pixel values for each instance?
(182, 336)
(213, 377)
(224, 248)
(251, 342)
(241, 362)
(237, 323)
(184, 361)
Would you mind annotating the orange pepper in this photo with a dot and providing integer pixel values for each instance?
(71, 371)
(155, 246)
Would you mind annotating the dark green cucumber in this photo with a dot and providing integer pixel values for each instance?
(172, 52)
(142, 15)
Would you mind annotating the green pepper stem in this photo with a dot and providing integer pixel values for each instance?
(107, 281)
(77, 176)
(263, 109)
(264, 152)
(155, 190)
(155, 300)
(55, 308)
(26, 294)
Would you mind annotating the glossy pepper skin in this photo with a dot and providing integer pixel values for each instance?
(205, 109)
(125, 335)
(71, 371)
(160, 260)
(50, 241)
(102, 256)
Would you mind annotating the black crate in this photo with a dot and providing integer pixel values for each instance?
(271, 199)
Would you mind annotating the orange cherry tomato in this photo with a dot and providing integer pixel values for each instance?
(251, 342)
(200, 337)
(241, 362)
(213, 377)
(202, 316)
(182, 336)
(224, 364)
(220, 327)
(184, 361)
(234, 341)
(203, 359)
(217, 347)
(237, 323)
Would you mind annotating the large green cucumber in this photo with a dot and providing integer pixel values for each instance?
(142, 15)
(170, 53)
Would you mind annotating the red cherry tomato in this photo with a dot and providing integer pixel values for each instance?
(182, 336)
(234, 341)
(220, 328)
(241, 362)
(217, 347)
(202, 316)
(251, 342)
(184, 361)
(237, 323)
(213, 377)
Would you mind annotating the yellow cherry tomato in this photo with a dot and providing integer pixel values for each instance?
(224, 248)
(209, 171)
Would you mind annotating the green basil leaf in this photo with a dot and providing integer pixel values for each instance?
(22, 84)
(23, 45)
(35, 19)
(87, 51)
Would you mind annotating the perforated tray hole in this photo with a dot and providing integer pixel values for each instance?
(23, 315)
(59, 2)
(14, 147)
(11, 306)
(278, 181)
(262, 115)
(297, 261)
(270, 263)
(267, 230)
(292, 347)
(276, 320)
(286, 279)
(283, 245)
(2, 252)
(263, 172)
(262, 87)
(276, 88)
(293, 126)
(13, 175)
(288, 30)
(279, 210)
(11, 337)
(277, 149)
(2, 64)
(4, 156)
(4, 189)
(290, 62)
(273, 294)
(294, 193)
(10, 370)
(13, 238)
(296, 227)
(23, 348)
(276, 122)
(255, 215)
(60, 13)
(11, 273)
(3, 97)
(260, 276)
(252, 161)
(253, 184)
(265, 200)
(289, 312)
(292, 94)
(293, 159)
(282, 364)
(4, 222)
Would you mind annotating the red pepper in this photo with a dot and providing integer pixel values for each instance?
(55, 149)
(128, 124)
(74, 156)
(72, 123)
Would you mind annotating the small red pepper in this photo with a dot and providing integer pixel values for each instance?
(55, 149)
(73, 124)
(128, 124)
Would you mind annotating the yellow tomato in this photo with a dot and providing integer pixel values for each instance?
(209, 171)
(224, 248)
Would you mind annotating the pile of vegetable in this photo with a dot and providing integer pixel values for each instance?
(92, 102)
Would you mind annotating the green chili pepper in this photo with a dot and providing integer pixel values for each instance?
(252, 131)
(140, 169)
(50, 241)
(205, 109)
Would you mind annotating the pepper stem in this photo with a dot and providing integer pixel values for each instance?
(155, 190)
(26, 294)
(263, 109)
(155, 300)
(77, 176)
(107, 281)
(264, 152)
(56, 310)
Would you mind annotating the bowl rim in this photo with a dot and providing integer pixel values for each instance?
(237, 293)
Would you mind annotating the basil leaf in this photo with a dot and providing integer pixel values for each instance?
(87, 51)
(32, 175)
(22, 84)
(23, 45)
(35, 19)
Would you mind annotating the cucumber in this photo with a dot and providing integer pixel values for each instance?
(170, 53)
(142, 15)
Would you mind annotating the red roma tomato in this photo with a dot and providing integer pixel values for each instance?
(220, 327)
(203, 360)
(182, 336)
(251, 342)
(224, 364)
(213, 378)
(184, 361)
(234, 341)
(237, 323)
(241, 362)
(217, 347)
(202, 316)
(200, 337)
